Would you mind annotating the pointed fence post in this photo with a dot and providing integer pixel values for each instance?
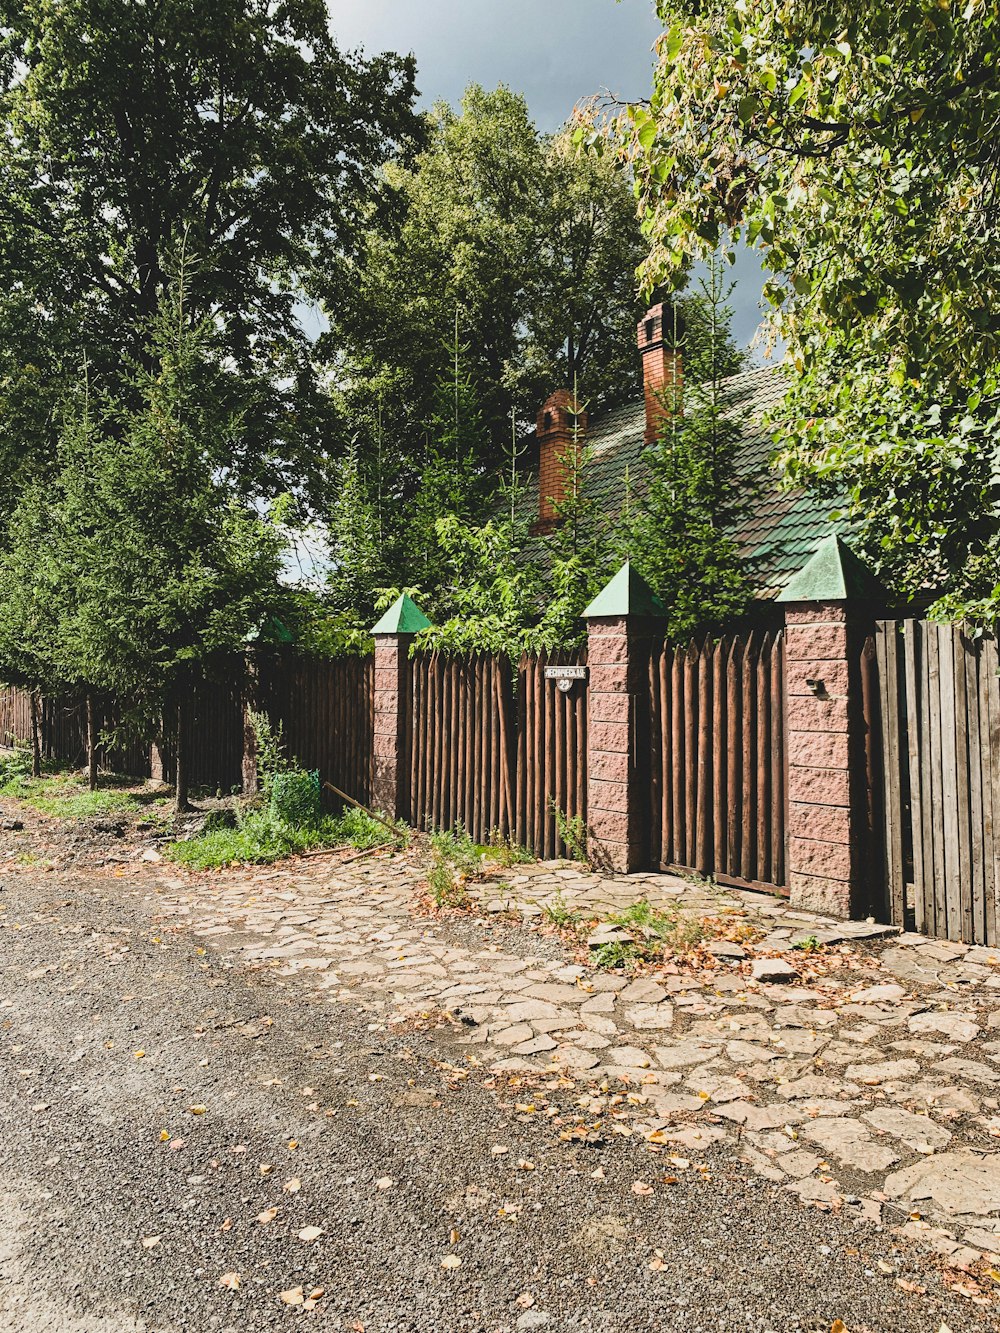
(825, 605)
(621, 621)
(393, 636)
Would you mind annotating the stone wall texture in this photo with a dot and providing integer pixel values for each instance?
(389, 737)
(822, 837)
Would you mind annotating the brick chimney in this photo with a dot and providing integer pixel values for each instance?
(662, 372)
(554, 432)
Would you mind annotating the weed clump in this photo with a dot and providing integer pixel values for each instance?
(455, 860)
(656, 936)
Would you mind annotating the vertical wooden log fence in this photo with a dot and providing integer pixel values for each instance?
(718, 795)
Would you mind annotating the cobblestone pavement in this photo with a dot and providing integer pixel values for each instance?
(861, 1074)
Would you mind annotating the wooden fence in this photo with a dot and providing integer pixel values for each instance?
(718, 781)
(495, 752)
(324, 708)
(939, 697)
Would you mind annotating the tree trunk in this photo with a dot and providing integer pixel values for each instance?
(36, 738)
(251, 703)
(181, 803)
(91, 743)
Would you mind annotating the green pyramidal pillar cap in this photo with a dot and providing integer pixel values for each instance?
(833, 573)
(628, 594)
(403, 617)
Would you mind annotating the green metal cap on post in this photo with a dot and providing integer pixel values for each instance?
(628, 594)
(403, 617)
(833, 573)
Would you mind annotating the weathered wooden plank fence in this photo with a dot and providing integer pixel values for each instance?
(939, 731)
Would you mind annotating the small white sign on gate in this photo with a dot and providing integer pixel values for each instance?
(565, 676)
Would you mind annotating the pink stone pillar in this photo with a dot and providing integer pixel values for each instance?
(390, 768)
(826, 813)
(393, 636)
(618, 831)
(621, 621)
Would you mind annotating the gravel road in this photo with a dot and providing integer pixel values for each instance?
(156, 1103)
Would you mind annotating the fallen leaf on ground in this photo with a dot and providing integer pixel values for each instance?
(498, 1150)
(906, 1284)
(293, 1296)
(454, 1235)
(227, 1225)
(640, 1187)
(598, 1174)
(231, 1281)
(525, 1301)
(384, 1183)
(268, 1215)
(451, 1261)
(197, 1109)
(524, 1165)
(310, 1233)
(838, 1326)
(175, 1145)
(150, 1242)
(292, 1186)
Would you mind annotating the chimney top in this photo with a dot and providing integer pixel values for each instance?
(661, 365)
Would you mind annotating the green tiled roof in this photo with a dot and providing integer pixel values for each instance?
(785, 527)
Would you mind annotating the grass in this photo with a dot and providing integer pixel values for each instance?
(67, 797)
(259, 837)
(658, 935)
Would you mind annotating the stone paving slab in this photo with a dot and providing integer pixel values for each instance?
(869, 1081)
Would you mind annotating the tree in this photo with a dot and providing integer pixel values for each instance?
(682, 530)
(534, 246)
(856, 148)
(236, 126)
(163, 571)
(29, 608)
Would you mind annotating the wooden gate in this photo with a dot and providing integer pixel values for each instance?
(494, 751)
(939, 770)
(718, 779)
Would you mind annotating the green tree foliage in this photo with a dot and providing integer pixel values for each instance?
(682, 532)
(536, 246)
(159, 570)
(855, 146)
(236, 124)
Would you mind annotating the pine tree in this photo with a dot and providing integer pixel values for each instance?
(681, 536)
(162, 568)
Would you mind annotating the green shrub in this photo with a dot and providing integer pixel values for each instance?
(15, 765)
(294, 797)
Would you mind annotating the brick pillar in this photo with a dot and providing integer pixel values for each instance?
(620, 623)
(824, 819)
(828, 604)
(390, 791)
(390, 743)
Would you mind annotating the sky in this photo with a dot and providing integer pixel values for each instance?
(555, 52)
